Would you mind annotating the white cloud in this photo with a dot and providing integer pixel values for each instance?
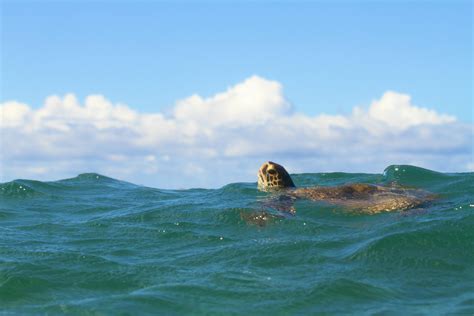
(250, 103)
(396, 111)
(224, 138)
(13, 114)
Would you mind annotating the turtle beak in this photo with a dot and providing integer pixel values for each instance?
(261, 179)
(262, 176)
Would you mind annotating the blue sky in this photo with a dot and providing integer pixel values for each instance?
(199, 94)
(329, 56)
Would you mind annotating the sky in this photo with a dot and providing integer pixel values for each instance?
(199, 94)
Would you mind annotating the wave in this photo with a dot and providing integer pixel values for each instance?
(95, 244)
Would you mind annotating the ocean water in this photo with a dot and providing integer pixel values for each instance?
(93, 245)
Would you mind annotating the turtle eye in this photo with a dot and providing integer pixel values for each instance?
(272, 171)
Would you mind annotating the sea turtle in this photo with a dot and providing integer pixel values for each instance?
(360, 197)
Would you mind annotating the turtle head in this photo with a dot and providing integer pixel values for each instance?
(273, 176)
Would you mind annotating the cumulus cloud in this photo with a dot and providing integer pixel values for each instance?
(224, 138)
(396, 111)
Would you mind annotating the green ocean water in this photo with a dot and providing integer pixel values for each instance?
(93, 245)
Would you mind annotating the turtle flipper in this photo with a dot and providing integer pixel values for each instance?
(259, 218)
(271, 209)
(280, 203)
